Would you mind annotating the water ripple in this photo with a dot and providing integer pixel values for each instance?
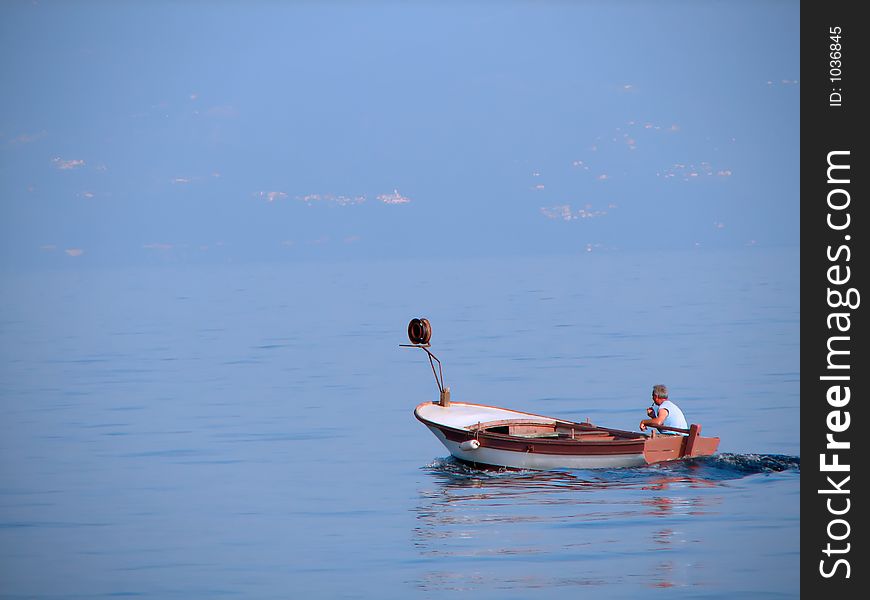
(706, 470)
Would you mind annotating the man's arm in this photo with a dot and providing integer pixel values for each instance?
(655, 421)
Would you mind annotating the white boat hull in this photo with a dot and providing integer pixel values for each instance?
(537, 461)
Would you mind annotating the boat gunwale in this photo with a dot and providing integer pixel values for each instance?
(628, 438)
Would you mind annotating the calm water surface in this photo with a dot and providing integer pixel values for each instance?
(179, 432)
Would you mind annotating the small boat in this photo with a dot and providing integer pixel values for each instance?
(500, 437)
(489, 436)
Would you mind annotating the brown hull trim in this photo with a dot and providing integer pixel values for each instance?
(542, 445)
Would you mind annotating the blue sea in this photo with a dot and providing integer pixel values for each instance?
(246, 431)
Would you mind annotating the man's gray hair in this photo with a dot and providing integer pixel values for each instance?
(660, 390)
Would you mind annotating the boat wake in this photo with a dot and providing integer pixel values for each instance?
(702, 471)
(750, 464)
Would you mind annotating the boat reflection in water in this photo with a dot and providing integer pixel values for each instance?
(513, 530)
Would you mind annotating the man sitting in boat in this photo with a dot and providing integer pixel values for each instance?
(663, 412)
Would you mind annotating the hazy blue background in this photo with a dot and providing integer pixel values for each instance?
(216, 220)
(135, 132)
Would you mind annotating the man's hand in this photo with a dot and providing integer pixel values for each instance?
(642, 426)
(650, 412)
